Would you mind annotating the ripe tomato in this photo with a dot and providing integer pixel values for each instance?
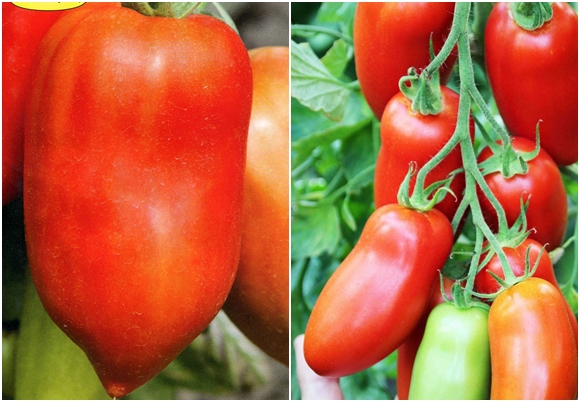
(22, 31)
(408, 136)
(533, 351)
(453, 359)
(391, 37)
(485, 283)
(534, 76)
(258, 301)
(376, 297)
(135, 150)
(408, 350)
(542, 185)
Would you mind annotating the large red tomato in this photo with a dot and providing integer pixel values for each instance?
(135, 146)
(376, 297)
(548, 206)
(258, 301)
(533, 350)
(408, 136)
(391, 37)
(534, 75)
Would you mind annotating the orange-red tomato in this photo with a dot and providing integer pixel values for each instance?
(533, 350)
(258, 301)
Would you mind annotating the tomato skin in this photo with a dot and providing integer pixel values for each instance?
(408, 136)
(548, 207)
(258, 301)
(534, 76)
(533, 351)
(135, 150)
(453, 360)
(485, 283)
(408, 350)
(376, 297)
(22, 31)
(391, 37)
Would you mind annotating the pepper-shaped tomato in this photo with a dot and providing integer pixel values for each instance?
(542, 185)
(533, 350)
(408, 136)
(258, 301)
(534, 76)
(453, 360)
(389, 38)
(376, 297)
(135, 145)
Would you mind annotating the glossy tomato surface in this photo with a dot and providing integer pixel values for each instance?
(542, 185)
(258, 301)
(389, 38)
(533, 350)
(376, 297)
(135, 146)
(534, 76)
(408, 136)
(453, 361)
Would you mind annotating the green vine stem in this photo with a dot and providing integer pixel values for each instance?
(459, 35)
(309, 30)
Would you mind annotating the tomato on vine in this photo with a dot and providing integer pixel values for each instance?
(541, 185)
(534, 76)
(376, 297)
(410, 136)
(533, 350)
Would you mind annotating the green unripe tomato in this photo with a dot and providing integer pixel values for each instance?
(453, 360)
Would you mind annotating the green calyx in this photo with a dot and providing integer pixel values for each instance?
(508, 161)
(163, 9)
(531, 16)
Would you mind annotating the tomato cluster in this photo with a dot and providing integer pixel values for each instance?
(385, 294)
(141, 213)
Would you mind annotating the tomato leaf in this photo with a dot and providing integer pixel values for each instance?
(313, 85)
(311, 129)
(337, 57)
(315, 230)
(339, 13)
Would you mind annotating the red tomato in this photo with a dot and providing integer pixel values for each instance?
(533, 351)
(548, 207)
(408, 350)
(391, 37)
(534, 75)
(22, 31)
(258, 301)
(376, 297)
(408, 136)
(485, 283)
(135, 150)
